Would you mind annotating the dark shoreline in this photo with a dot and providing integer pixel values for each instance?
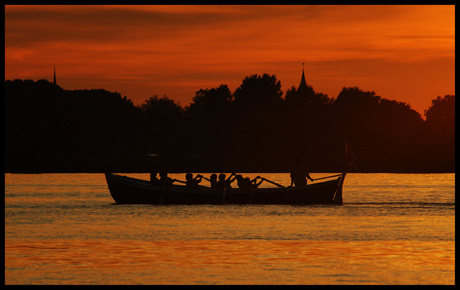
(53, 130)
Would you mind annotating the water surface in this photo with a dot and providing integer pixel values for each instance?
(392, 229)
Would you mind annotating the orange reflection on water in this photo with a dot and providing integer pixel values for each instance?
(229, 262)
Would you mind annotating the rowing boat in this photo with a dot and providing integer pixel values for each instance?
(128, 190)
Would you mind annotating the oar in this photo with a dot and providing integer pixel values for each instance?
(277, 184)
(206, 178)
(328, 177)
(179, 181)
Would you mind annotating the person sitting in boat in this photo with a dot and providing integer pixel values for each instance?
(154, 179)
(247, 183)
(213, 181)
(225, 183)
(164, 179)
(192, 182)
(299, 174)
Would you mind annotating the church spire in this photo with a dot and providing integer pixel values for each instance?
(303, 83)
(54, 74)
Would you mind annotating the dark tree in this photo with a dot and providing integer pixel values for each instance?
(301, 97)
(209, 130)
(102, 122)
(399, 134)
(49, 129)
(355, 116)
(440, 122)
(305, 95)
(162, 115)
(441, 114)
(387, 134)
(255, 110)
(258, 92)
(308, 115)
(210, 101)
(356, 110)
(162, 125)
(32, 125)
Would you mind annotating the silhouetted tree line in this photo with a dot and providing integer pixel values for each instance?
(256, 128)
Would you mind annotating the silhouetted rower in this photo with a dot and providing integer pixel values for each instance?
(247, 183)
(154, 179)
(192, 182)
(299, 174)
(225, 183)
(164, 179)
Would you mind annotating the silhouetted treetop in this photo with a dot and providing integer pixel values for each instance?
(440, 120)
(156, 105)
(305, 95)
(365, 103)
(211, 100)
(161, 115)
(258, 91)
(398, 114)
(441, 112)
(353, 97)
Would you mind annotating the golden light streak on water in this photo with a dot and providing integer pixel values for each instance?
(231, 262)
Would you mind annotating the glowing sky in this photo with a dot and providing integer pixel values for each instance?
(403, 53)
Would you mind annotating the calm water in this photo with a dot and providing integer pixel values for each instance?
(392, 229)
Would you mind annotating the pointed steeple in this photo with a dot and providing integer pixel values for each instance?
(55, 74)
(303, 83)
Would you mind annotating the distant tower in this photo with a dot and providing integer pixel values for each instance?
(304, 90)
(55, 74)
(303, 83)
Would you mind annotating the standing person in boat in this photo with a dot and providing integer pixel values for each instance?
(154, 179)
(225, 183)
(192, 182)
(165, 180)
(299, 174)
(246, 182)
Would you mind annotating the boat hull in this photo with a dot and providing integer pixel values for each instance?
(127, 190)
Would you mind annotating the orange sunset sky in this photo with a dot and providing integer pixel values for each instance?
(403, 53)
